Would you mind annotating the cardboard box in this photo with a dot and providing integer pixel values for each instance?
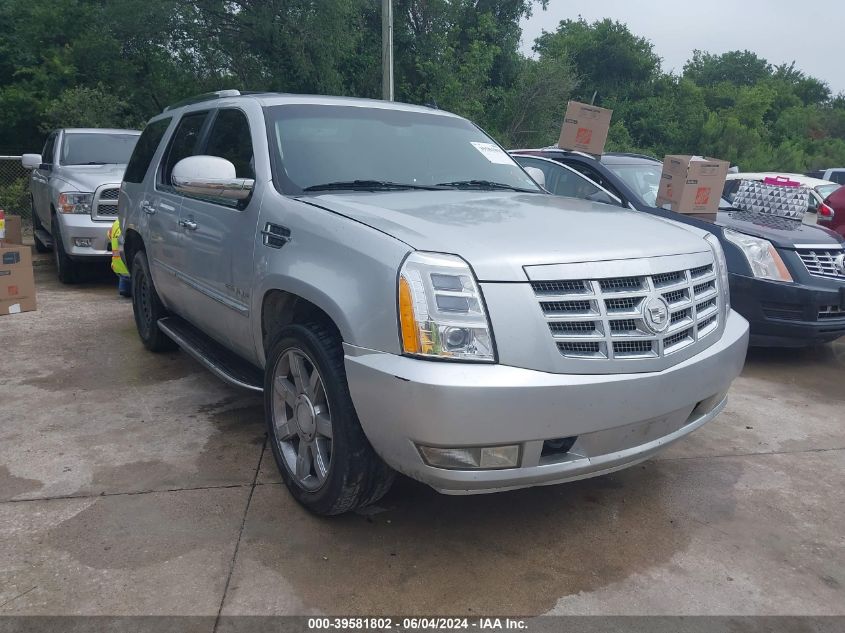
(13, 230)
(692, 184)
(17, 281)
(585, 128)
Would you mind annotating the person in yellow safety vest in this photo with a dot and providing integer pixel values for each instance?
(124, 284)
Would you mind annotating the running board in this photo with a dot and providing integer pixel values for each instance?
(45, 238)
(219, 360)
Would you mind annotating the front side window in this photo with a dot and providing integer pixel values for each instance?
(642, 179)
(49, 149)
(230, 139)
(562, 181)
(185, 142)
(316, 145)
(144, 151)
(85, 148)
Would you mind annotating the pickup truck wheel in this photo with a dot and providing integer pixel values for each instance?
(40, 247)
(318, 443)
(147, 307)
(67, 268)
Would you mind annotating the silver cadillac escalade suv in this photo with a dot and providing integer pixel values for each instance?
(408, 299)
(74, 187)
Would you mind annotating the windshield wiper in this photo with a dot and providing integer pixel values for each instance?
(368, 185)
(483, 184)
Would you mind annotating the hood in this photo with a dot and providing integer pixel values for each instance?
(89, 177)
(782, 232)
(500, 232)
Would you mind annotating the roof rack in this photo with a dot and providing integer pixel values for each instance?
(206, 96)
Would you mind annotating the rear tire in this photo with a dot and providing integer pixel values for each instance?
(320, 448)
(40, 247)
(67, 269)
(147, 307)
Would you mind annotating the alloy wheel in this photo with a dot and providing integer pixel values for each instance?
(302, 419)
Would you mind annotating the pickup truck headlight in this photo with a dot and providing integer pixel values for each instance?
(75, 202)
(441, 311)
(762, 256)
(722, 266)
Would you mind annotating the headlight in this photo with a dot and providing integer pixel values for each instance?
(75, 202)
(764, 259)
(441, 312)
(722, 273)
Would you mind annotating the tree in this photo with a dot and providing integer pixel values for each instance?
(88, 107)
(741, 68)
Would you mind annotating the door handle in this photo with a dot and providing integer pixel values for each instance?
(188, 224)
(148, 208)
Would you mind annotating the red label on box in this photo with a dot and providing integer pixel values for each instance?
(702, 195)
(13, 291)
(584, 135)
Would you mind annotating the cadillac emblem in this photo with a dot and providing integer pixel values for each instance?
(656, 314)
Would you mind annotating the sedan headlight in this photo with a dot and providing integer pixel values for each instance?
(441, 311)
(762, 256)
(75, 202)
(722, 272)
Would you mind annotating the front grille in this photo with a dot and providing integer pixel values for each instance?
(621, 317)
(823, 262)
(831, 312)
(104, 207)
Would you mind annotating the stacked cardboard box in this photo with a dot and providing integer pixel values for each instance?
(692, 184)
(585, 128)
(17, 282)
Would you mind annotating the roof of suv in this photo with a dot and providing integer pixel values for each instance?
(281, 98)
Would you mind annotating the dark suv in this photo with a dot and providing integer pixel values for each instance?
(786, 278)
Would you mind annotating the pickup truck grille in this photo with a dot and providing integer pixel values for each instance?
(104, 208)
(647, 316)
(821, 262)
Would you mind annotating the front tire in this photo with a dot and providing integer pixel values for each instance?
(68, 270)
(147, 307)
(320, 448)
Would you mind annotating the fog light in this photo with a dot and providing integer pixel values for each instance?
(83, 242)
(478, 457)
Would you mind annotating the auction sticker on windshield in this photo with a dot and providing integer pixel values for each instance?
(493, 153)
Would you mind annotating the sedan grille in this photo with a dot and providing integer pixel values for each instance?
(823, 262)
(648, 316)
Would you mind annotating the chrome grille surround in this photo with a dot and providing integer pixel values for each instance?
(819, 261)
(606, 321)
(104, 205)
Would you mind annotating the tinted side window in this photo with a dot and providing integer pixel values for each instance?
(838, 176)
(144, 151)
(596, 177)
(49, 148)
(230, 139)
(184, 143)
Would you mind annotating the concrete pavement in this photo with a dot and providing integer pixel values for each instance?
(134, 483)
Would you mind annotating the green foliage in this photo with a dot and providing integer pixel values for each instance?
(116, 63)
(14, 196)
(87, 107)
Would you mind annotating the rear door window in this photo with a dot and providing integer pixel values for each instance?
(144, 151)
(185, 142)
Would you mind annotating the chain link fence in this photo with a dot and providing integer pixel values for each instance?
(14, 187)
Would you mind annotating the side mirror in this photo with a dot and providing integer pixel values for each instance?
(537, 175)
(31, 161)
(210, 176)
(604, 197)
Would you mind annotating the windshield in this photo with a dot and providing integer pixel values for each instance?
(367, 148)
(825, 190)
(643, 179)
(81, 148)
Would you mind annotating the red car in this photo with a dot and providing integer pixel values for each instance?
(835, 201)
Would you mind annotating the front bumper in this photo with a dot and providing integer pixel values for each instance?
(619, 419)
(77, 225)
(789, 314)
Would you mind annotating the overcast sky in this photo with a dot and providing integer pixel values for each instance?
(810, 33)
